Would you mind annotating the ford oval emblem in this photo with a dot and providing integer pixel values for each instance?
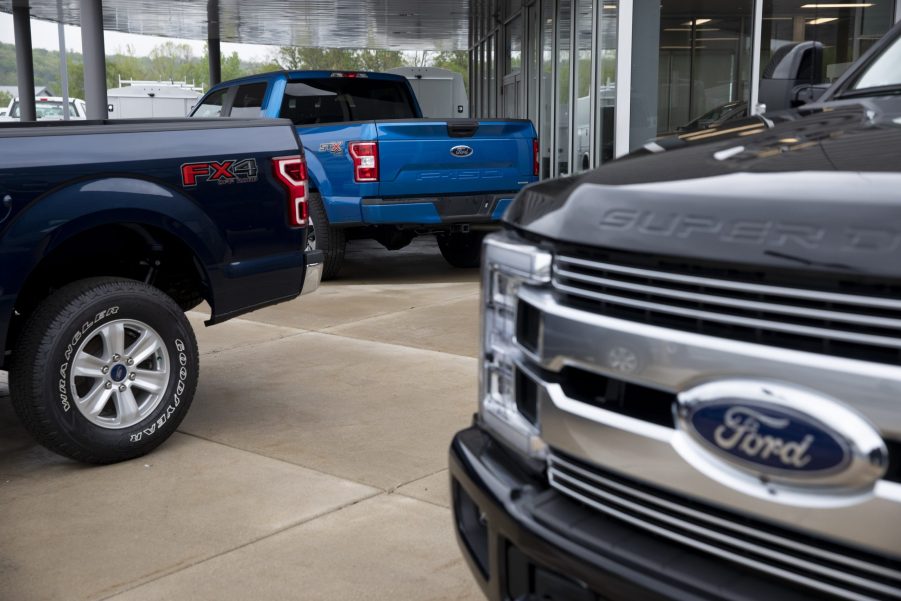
(461, 151)
(778, 438)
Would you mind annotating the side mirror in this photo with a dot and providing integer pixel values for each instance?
(806, 94)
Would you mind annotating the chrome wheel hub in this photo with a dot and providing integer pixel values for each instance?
(120, 374)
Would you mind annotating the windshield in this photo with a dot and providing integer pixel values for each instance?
(46, 109)
(884, 71)
(337, 99)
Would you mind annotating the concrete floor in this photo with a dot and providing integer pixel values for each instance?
(312, 464)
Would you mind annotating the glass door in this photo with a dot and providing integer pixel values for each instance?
(697, 69)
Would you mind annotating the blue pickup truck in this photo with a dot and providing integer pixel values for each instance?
(378, 169)
(109, 231)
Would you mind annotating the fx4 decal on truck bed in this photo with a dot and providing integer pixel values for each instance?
(231, 171)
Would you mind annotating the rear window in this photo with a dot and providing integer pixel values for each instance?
(46, 109)
(337, 99)
(248, 100)
(211, 105)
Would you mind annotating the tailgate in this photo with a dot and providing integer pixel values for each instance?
(428, 157)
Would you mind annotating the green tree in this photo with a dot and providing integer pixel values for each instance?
(124, 66)
(232, 67)
(457, 61)
(379, 60)
(170, 61)
(5, 99)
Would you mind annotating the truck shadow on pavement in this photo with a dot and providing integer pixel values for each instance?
(368, 262)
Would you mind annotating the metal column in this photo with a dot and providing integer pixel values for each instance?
(213, 50)
(755, 106)
(94, 53)
(24, 61)
(63, 61)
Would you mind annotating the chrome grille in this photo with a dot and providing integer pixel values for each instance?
(845, 325)
(817, 565)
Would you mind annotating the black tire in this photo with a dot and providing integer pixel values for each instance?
(330, 240)
(44, 390)
(462, 250)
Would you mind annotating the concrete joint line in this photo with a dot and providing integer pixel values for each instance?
(188, 566)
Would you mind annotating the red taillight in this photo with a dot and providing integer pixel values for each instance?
(366, 161)
(536, 166)
(292, 172)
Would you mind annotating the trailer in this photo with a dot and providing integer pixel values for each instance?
(440, 92)
(135, 99)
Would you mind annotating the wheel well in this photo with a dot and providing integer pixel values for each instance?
(132, 251)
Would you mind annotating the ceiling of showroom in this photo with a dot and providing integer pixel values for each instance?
(389, 24)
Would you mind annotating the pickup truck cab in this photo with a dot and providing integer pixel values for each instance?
(109, 231)
(49, 108)
(378, 169)
(691, 369)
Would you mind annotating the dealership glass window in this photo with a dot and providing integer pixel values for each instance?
(511, 7)
(811, 42)
(546, 89)
(700, 62)
(584, 17)
(492, 76)
(513, 39)
(605, 66)
(486, 79)
(564, 67)
(533, 67)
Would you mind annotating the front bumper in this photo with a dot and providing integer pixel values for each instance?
(473, 208)
(524, 540)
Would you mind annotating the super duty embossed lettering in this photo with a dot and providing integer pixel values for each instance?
(749, 231)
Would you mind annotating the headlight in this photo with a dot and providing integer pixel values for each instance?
(507, 266)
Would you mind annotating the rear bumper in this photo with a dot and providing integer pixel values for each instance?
(472, 208)
(312, 277)
(252, 285)
(524, 540)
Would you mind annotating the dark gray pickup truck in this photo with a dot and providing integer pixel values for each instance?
(691, 369)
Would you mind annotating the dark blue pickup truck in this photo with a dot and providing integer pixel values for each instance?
(108, 233)
(378, 169)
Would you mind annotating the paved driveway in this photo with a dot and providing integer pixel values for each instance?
(311, 466)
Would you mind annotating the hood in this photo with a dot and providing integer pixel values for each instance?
(821, 192)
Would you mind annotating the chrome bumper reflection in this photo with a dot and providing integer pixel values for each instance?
(312, 277)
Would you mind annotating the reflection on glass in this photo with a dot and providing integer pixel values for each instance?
(582, 122)
(811, 43)
(492, 76)
(546, 102)
(513, 56)
(701, 62)
(564, 14)
(704, 61)
(606, 79)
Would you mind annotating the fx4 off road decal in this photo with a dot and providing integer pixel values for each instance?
(229, 171)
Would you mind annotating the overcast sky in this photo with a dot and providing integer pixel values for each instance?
(44, 34)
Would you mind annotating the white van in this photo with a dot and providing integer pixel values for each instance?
(440, 92)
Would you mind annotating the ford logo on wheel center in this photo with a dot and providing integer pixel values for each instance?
(461, 151)
(779, 438)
